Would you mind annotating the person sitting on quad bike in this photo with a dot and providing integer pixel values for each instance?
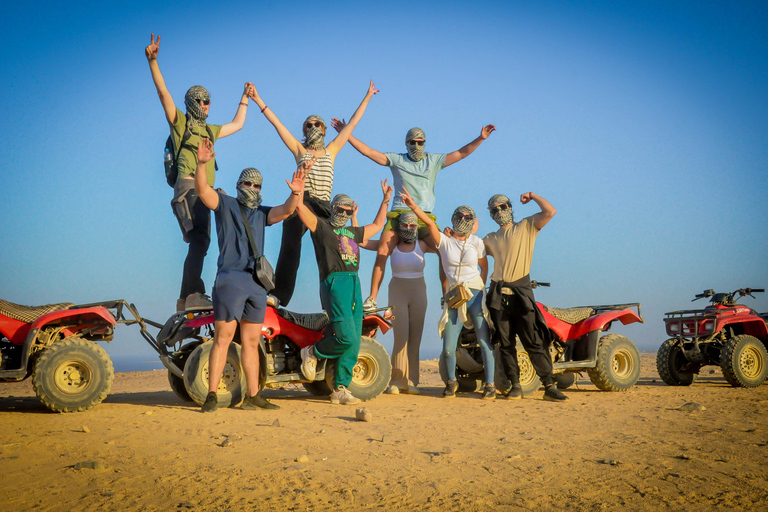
(337, 248)
(237, 296)
(510, 297)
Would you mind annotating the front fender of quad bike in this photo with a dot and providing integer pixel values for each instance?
(232, 386)
(73, 374)
(618, 364)
(371, 374)
(672, 365)
(744, 361)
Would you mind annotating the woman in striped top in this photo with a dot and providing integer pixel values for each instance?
(317, 190)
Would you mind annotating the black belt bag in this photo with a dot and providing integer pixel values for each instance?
(262, 272)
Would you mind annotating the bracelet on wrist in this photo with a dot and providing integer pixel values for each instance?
(244, 104)
(265, 108)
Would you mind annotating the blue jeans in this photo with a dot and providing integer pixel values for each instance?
(452, 331)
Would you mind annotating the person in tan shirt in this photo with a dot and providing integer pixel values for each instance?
(510, 297)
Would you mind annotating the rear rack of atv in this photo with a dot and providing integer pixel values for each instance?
(116, 307)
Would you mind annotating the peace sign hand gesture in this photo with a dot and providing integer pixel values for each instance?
(153, 49)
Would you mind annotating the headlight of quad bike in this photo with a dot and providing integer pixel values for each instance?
(708, 327)
(673, 328)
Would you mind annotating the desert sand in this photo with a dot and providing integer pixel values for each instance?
(599, 451)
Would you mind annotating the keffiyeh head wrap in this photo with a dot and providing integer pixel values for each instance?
(340, 219)
(501, 217)
(415, 152)
(249, 197)
(463, 220)
(407, 235)
(196, 115)
(313, 135)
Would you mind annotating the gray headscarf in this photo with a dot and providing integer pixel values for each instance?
(463, 224)
(340, 219)
(501, 217)
(249, 197)
(313, 138)
(407, 235)
(196, 115)
(415, 152)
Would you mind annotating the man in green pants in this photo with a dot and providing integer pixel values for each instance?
(338, 260)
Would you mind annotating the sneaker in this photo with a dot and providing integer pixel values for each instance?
(393, 390)
(514, 393)
(369, 306)
(273, 301)
(412, 390)
(198, 301)
(341, 395)
(181, 305)
(211, 402)
(489, 392)
(257, 401)
(553, 394)
(450, 389)
(308, 362)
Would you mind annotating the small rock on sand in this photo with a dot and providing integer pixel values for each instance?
(363, 414)
(89, 464)
(85, 429)
(302, 459)
(692, 407)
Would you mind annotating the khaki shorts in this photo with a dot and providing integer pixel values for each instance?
(394, 215)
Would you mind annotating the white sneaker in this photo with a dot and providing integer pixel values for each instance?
(341, 395)
(369, 306)
(308, 362)
(392, 390)
(412, 390)
(197, 301)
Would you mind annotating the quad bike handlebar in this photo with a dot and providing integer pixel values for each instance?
(536, 284)
(728, 298)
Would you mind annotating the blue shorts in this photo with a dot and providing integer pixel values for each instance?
(236, 296)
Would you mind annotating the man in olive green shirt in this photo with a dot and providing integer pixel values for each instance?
(194, 218)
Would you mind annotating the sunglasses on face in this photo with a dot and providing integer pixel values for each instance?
(205, 102)
(343, 211)
(416, 142)
(499, 208)
(250, 184)
(409, 226)
(466, 216)
(315, 123)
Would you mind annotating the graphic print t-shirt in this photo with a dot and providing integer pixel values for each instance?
(336, 249)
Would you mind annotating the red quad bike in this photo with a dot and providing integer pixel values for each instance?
(612, 361)
(726, 334)
(56, 345)
(284, 334)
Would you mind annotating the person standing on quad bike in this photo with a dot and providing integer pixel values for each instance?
(187, 130)
(510, 296)
(237, 296)
(337, 248)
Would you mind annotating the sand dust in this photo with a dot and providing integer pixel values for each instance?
(599, 451)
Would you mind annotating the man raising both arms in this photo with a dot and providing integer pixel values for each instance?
(187, 131)
(510, 296)
(417, 171)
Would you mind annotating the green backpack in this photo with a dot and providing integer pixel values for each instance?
(171, 156)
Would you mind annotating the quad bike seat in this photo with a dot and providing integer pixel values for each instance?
(311, 321)
(29, 314)
(570, 315)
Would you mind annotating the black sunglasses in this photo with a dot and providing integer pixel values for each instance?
(343, 211)
(251, 184)
(315, 123)
(416, 142)
(499, 208)
(205, 102)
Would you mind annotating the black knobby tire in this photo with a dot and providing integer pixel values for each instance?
(232, 385)
(466, 384)
(529, 380)
(564, 380)
(618, 364)
(744, 361)
(670, 361)
(318, 388)
(178, 387)
(73, 374)
(371, 374)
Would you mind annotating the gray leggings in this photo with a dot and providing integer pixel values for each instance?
(409, 297)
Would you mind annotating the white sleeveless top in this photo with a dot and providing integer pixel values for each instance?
(407, 265)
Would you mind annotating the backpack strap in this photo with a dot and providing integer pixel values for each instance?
(248, 232)
(185, 139)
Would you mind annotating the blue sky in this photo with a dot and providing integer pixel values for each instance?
(643, 123)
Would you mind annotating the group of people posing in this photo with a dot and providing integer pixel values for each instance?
(410, 231)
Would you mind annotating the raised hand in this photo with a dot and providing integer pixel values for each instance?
(204, 151)
(525, 198)
(372, 89)
(387, 190)
(248, 88)
(407, 199)
(297, 181)
(338, 125)
(153, 49)
(486, 131)
(252, 93)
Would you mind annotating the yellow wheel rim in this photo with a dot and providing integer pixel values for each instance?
(622, 364)
(527, 373)
(230, 378)
(365, 371)
(751, 362)
(73, 376)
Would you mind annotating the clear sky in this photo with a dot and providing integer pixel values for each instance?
(644, 123)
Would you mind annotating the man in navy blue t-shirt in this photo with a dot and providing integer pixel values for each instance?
(236, 295)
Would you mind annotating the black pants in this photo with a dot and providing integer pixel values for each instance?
(517, 318)
(290, 248)
(198, 238)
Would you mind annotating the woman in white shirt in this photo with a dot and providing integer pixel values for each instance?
(464, 262)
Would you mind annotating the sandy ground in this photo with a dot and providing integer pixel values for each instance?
(598, 451)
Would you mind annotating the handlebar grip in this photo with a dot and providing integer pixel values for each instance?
(761, 290)
(543, 284)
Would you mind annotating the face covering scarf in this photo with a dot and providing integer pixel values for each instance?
(407, 235)
(313, 138)
(249, 196)
(339, 218)
(415, 152)
(196, 115)
(502, 217)
(463, 220)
